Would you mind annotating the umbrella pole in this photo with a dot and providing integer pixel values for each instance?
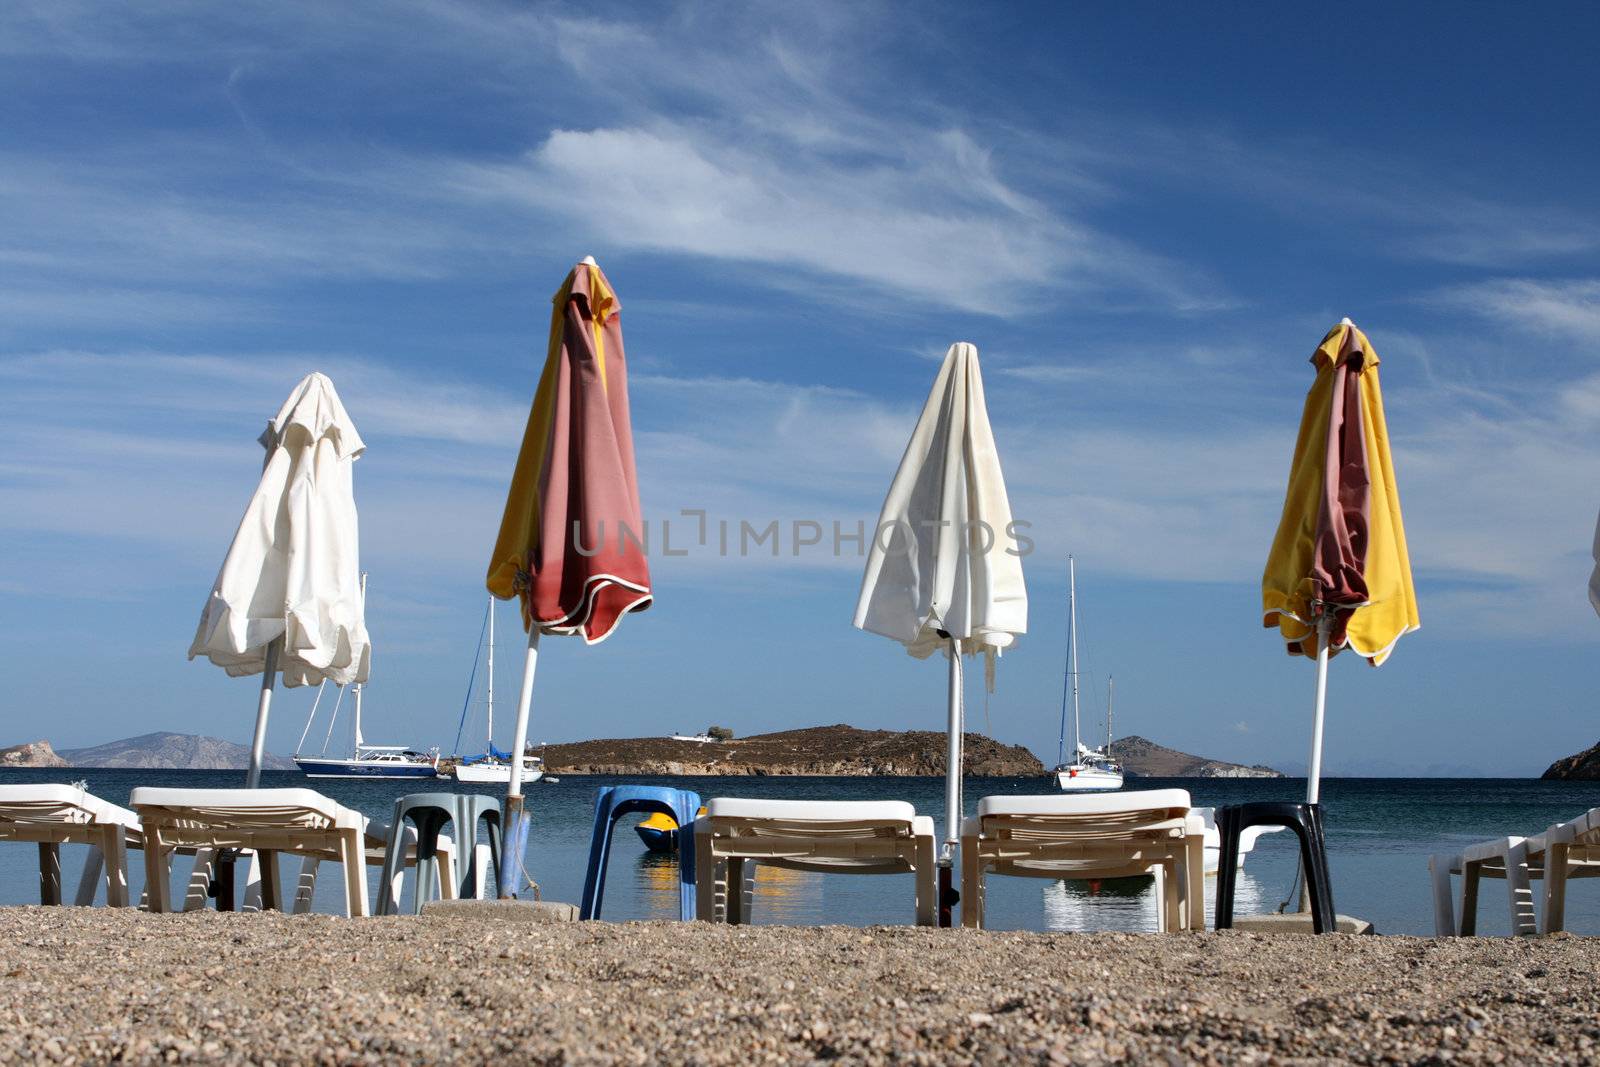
(258, 744)
(952, 791)
(1314, 764)
(252, 776)
(514, 827)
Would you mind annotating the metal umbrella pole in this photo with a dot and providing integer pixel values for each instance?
(515, 826)
(948, 897)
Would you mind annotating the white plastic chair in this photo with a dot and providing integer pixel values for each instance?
(1566, 850)
(1213, 838)
(268, 822)
(830, 836)
(55, 815)
(1110, 835)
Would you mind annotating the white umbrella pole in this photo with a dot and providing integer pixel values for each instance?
(258, 744)
(952, 774)
(513, 829)
(1314, 764)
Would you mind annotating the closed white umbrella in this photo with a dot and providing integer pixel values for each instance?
(943, 573)
(288, 596)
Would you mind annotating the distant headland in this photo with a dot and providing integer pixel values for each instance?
(158, 750)
(1584, 765)
(818, 750)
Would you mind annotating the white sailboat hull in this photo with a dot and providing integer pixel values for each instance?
(1081, 778)
(498, 773)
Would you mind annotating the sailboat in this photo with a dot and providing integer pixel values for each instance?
(1091, 769)
(364, 761)
(491, 765)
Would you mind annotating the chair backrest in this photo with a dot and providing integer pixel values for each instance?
(817, 819)
(1582, 832)
(1154, 812)
(244, 808)
(54, 805)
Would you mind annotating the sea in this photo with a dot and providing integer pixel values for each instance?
(1381, 832)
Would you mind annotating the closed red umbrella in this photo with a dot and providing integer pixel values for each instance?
(570, 545)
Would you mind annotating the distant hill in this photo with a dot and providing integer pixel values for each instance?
(1142, 758)
(34, 754)
(1584, 765)
(181, 751)
(818, 750)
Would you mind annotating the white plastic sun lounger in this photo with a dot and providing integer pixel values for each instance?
(269, 822)
(54, 815)
(1213, 840)
(1106, 836)
(830, 836)
(1566, 850)
(376, 839)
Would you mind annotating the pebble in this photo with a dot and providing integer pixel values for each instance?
(95, 985)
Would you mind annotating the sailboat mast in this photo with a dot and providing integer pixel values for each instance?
(1111, 684)
(1072, 649)
(357, 751)
(491, 674)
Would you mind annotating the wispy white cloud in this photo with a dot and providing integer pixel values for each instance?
(1568, 309)
(1383, 200)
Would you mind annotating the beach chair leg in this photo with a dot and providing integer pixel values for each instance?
(271, 887)
(706, 869)
(1519, 889)
(89, 878)
(305, 886)
(199, 889)
(927, 882)
(481, 862)
(157, 892)
(1468, 923)
(735, 906)
(1194, 880)
(461, 872)
(252, 881)
(394, 864)
(1160, 873)
(1174, 896)
(114, 855)
(594, 877)
(391, 883)
(971, 885)
(1444, 909)
(49, 872)
(353, 856)
(1227, 867)
(1555, 888)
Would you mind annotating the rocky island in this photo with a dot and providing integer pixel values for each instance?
(817, 750)
(1584, 766)
(1143, 758)
(33, 754)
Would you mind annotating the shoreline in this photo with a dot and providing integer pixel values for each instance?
(100, 984)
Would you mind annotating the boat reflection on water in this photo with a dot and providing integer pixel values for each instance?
(781, 896)
(1127, 904)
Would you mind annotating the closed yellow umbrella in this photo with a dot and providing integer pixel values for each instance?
(1339, 575)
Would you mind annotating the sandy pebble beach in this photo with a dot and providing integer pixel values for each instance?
(81, 985)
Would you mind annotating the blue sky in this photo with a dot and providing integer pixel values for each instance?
(1145, 217)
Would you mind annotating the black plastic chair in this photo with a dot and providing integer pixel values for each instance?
(1306, 822)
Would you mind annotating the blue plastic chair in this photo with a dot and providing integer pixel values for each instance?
(615, 801)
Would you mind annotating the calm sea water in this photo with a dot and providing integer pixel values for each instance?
(1381, 832)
